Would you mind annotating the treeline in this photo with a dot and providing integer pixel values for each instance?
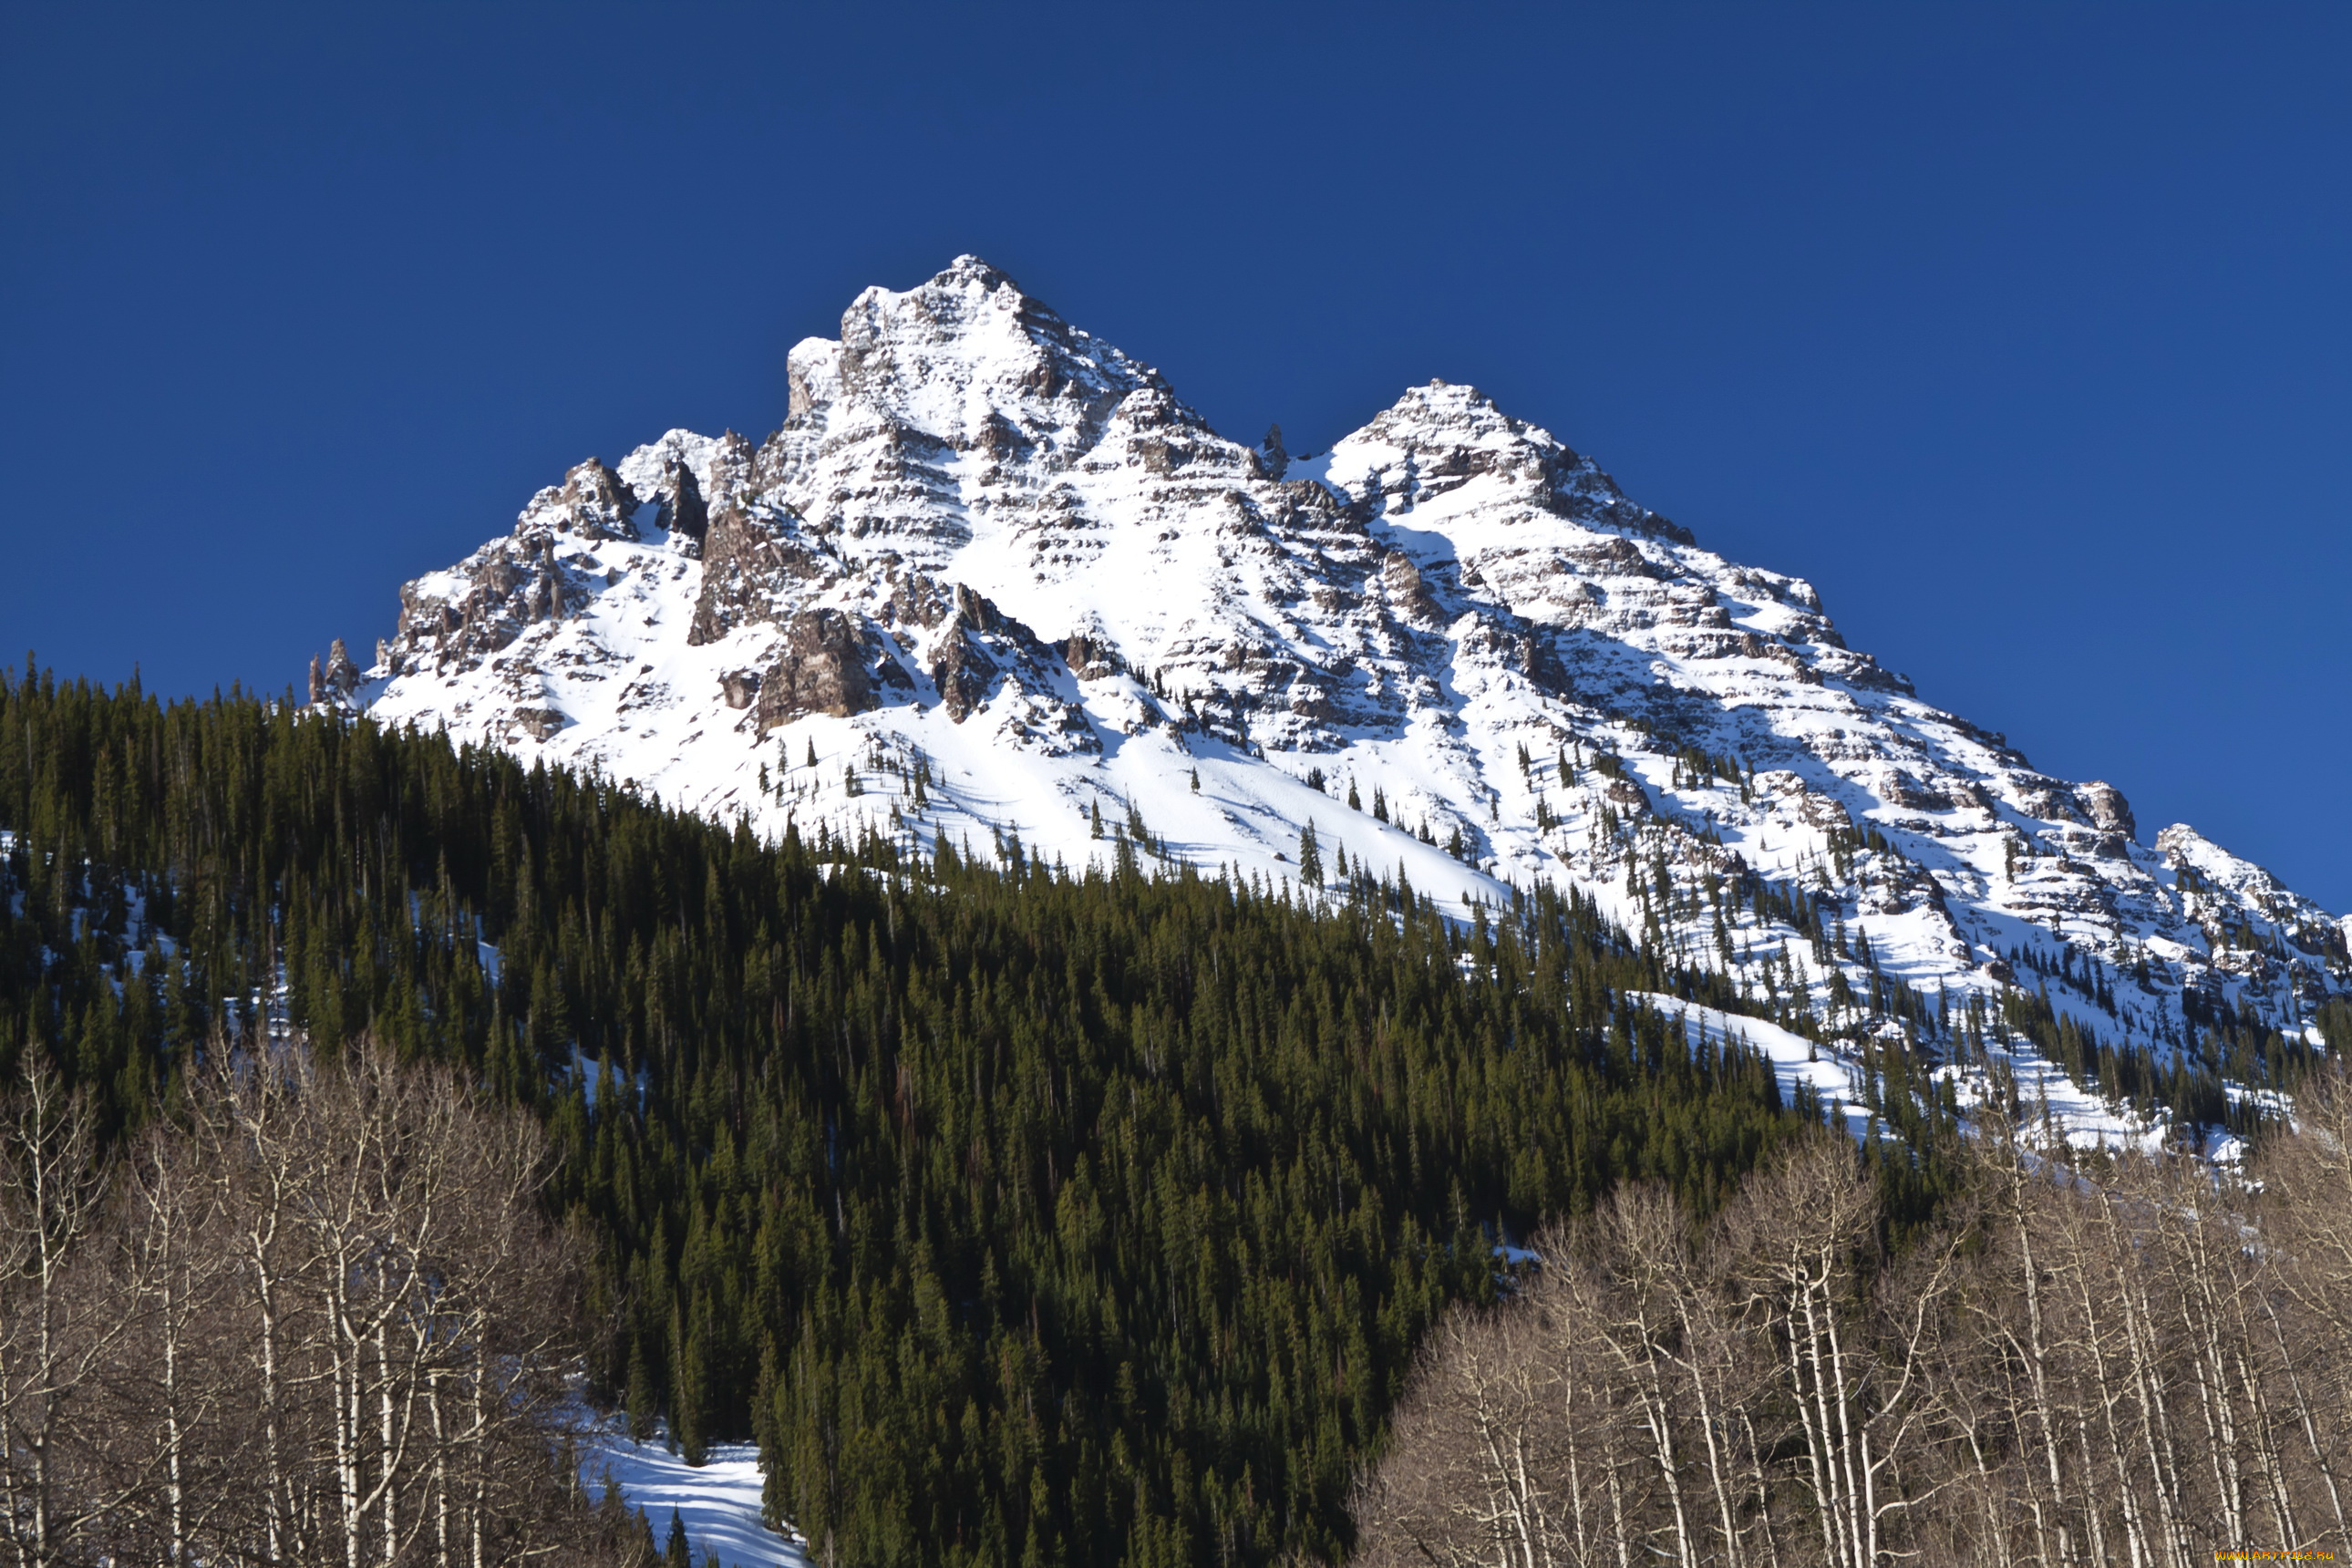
(1021, 1215)
(2138, 1363)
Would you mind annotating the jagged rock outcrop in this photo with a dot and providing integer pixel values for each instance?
(2107, 808)
(821, 667)
(591, 504)
(753, 562)
(534, 575)
(539, 723)
(740, 687)
(335, 681)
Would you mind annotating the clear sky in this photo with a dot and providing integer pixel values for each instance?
(2022, 331)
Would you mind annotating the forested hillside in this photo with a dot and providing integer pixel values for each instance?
(1023, 1216)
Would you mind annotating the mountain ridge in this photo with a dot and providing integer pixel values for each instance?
(1007, 590)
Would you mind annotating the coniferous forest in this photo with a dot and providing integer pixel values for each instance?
(1022, 1215)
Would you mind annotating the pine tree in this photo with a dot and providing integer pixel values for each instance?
(689, 1389)
(639, 1398)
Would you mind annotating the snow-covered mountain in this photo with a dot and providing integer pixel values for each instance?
(1007, 591)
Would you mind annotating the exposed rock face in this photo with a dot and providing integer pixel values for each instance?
(1272, 455)
(962, 670)
(2106, 807)
(739, 687)
(591, 504)
(499, 591)
(683, 509)
(335, 681)
(1089, 657)
(753, 561)
(534, 575)
(985, 535)
(821, 670)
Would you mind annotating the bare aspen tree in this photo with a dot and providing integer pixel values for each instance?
(174, 1254)
(2141, 1360)
(1635, 1235)
(2306, 1217)
(1797, 1230)
(1680, 1339)
(322, 1321)
(1473, 1421)
(61, 1336)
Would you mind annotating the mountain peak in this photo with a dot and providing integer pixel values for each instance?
(1448, 414)
(997, 553)
(957, 352)
(971, 271)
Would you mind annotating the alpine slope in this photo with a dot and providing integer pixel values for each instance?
(992, 586)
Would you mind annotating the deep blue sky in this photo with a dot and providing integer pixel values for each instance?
(2022, 331)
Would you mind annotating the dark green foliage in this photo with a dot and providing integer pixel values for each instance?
(1021, 1217)
(2335, 1021)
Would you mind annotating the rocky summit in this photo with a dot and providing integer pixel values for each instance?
(992, 584)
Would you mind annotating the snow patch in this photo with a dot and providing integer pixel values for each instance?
(719, 1501)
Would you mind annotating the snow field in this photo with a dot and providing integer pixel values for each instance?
(718, 1502)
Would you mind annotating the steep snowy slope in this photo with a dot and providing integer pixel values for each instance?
(1007, 591)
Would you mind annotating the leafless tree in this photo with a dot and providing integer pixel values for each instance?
(320, 1320)
(2138, 1361)
(65, 1342)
